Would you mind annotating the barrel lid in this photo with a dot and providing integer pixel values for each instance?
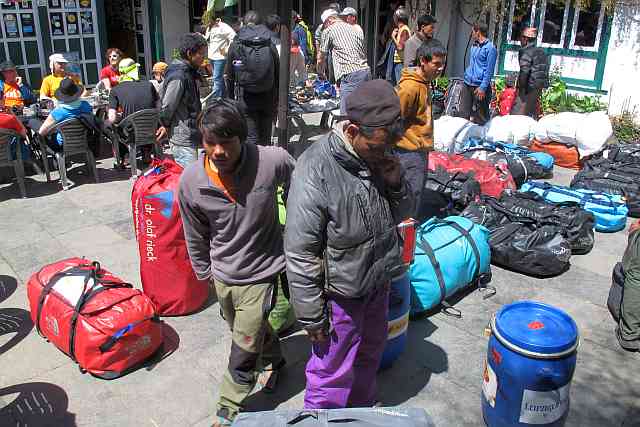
(537, 327)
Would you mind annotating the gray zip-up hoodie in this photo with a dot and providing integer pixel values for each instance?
(237, 242)
(180, 104)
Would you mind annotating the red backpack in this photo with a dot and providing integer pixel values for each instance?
(165, 268)
(493, 179)
(102, 323)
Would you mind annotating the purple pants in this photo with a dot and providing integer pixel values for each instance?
(342, 369)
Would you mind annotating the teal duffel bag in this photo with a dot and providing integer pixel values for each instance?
(451, 254)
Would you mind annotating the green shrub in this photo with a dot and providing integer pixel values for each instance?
(625, 127)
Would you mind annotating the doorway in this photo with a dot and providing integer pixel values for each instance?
(121, 33)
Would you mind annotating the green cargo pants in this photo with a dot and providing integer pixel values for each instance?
(254, 346)
(629, 326)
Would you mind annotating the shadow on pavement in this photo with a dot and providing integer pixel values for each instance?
(34, 188)
(8, 286)
(170, 344)
(296, 350)
(36, 404)
(604, 392)
(412, 371)
(14, 321)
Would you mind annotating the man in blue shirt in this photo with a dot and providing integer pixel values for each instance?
(477, 78)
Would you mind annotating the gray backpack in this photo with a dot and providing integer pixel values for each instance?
(351, 417)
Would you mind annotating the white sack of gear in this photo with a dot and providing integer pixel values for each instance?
(511, 129)
(594, 132)
(451, 131)
(559, 127)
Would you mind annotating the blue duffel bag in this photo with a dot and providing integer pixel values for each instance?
(451, 254)
(609, 210)
(545, 160)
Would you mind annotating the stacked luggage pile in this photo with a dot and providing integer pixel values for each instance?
(493, 175)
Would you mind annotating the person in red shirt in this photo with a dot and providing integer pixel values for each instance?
(507, 96)
(109, 75)
(11, 122)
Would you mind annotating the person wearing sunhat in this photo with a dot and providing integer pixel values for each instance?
(69, 106)
(347, 195)
(51, 83)
(16, 93)
(533, 75)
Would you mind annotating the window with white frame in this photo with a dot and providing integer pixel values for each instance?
(553, 23)
(587, 27)
(584, 33)
(522, 15)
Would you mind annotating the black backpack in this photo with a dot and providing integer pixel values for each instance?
(256, 71)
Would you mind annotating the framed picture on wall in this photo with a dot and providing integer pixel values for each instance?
(72, 23)
(28, 27)
(70, 4)
(57, 26)
(85, 4)
(11, 25)
(86, 22)
(55, 4)
(25, 4)
(8, 4)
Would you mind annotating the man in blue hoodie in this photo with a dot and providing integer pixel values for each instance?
(477, 78)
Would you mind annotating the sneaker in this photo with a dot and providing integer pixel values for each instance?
(221, 422)
(268, 379)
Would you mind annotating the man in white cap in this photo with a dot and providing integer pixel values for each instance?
(350, 16)
(51, 83)
(333, 9)
(345, 42)
(533, 75)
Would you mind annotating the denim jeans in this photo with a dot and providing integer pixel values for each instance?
(349, 83)
(183, 155)
(218, 76)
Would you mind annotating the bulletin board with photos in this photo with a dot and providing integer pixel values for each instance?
(73, 28)
(20, 40)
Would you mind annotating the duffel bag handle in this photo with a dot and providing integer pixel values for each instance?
(113, 339)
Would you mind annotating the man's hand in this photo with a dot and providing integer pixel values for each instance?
(394, 34)
(19, 80)
(479, 93)
(161, 133)
(317, 335)
(391, 171)
(633, 227)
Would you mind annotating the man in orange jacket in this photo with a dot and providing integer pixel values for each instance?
(414, 92)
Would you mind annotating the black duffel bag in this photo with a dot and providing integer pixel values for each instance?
(620, 153)
(576, 224)
(446, 194)
(520, 243)
(605, 178)
(522, 168)
(614, 301)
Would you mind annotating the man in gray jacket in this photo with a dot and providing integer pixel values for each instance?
(347, 195)
(180, 97)
(423, 35)
(228, 206)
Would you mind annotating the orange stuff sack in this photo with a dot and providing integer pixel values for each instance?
(564, 156)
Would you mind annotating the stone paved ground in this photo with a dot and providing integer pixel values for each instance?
(440, 371)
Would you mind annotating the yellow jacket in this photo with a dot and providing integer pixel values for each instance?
(415, 106)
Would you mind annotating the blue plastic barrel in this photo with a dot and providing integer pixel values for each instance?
(530, 363)
(398, 318)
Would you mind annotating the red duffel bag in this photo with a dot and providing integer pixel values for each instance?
(102, 323)
(493, 179)
(563, 155)
(165, 269)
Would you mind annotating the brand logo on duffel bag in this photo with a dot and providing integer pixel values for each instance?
(138, 345)
(166, 199)
(52, 325)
